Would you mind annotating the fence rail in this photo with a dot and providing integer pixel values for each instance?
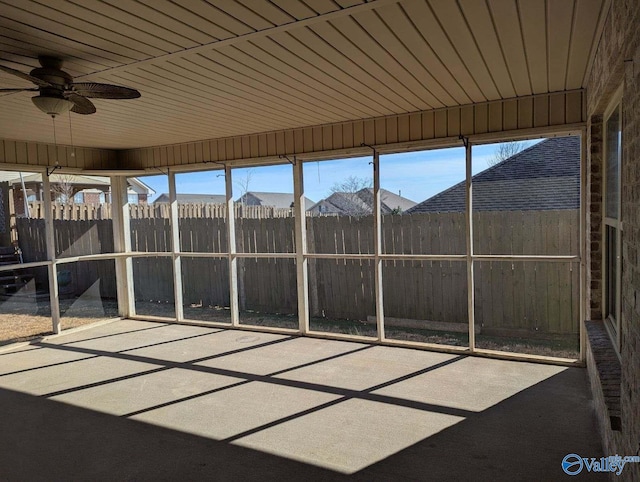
(532, 296)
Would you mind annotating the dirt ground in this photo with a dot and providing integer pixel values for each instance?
(22, 323)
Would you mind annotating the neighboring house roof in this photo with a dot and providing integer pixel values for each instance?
(276, 199)
(389, 201)
(544, 176)
(140, 187)
(361, 202)
(193, 198)
(13, 177)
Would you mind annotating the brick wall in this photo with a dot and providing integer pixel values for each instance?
(91, 198)
(594, 217)
(618, 61)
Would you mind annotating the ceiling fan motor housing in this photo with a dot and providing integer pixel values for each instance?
(54, 76)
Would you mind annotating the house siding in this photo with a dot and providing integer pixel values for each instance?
(617, 62)
(541, 111)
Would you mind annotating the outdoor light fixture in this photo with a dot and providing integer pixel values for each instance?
(52, 106)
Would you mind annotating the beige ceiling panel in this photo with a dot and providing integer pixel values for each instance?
(348, 3)
(224, 13)
(339, 79)
(587, 14)
(49, 43)
(534, 33)
(268, 11)
(77, 35)
(507, 21)
(202, 82)
(289, 64)
(432, 32)
(202, 16)
(460, 36)
(355, 70)
(134, 21)
(368, 43)
(190, 100)
(240, 64)
(166, 113)
(410, 71)
(560, 17)
(165, 19)
(345, 61)
(478, 17)
(24, 53)
(323, 6)
(245, 18)
(382, 81)
(439, 81)
(296, 8)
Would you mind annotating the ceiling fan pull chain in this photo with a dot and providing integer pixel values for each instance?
(55, 141)
(73, 151)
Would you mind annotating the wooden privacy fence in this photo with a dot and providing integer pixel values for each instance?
(83, 211)
(533, 296)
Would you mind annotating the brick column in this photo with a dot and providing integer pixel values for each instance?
(594, 217)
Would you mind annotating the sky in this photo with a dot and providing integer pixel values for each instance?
(415, 175)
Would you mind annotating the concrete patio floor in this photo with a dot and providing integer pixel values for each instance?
(132, 400)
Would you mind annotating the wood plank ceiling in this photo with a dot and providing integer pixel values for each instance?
(217, 68)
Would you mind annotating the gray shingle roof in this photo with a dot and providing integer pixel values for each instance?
(361, 202)
(193, 198)
(276, 199)
(389, 201)
(544, 176)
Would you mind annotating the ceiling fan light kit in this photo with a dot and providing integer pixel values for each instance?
(52, 106)
(58, 93)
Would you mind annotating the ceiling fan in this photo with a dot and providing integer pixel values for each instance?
(58, 93)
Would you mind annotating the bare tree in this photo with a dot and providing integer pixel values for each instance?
(354, 203)
(244, 183)
(504, 151)
(63, 189)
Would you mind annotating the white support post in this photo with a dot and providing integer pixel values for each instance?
(175, 247)
(122, 244)
(231, 247)
(377, 245)
(51, 255)
(469, 223)
(301, 246)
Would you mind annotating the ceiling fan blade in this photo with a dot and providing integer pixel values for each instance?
(104, 91)
(81, 105)
(20, 90)
(22, 75)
